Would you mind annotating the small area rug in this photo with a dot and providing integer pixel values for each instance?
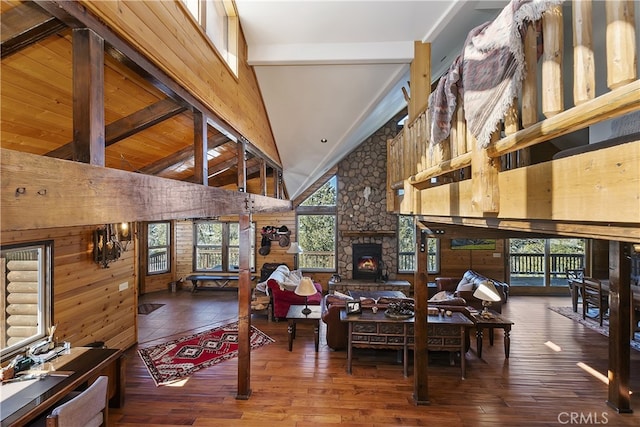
(591, 324)
(182, 357)
(148, 308)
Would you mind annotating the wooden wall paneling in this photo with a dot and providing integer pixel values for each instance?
(184, 249)
(88, 305)
(277, 254)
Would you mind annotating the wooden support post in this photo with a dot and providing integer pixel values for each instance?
(584, 80)
(484, 178)
(242, 166)
(263, 177)
(619, 326)
(244, 308)
(200, 147)
(621, 44)
(88, 97)
(420, 296)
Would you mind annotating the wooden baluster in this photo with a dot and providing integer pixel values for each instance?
(552, 87)
(485, 196)
(511, 127)
(621, 44)
(529, 89)
(584, 79)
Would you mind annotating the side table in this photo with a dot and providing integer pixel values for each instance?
(295, 315)
(496, 321)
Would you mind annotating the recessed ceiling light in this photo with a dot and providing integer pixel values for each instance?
(323, 140)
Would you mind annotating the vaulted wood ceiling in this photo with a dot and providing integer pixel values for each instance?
(148, 129)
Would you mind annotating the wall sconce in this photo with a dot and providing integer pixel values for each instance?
(124, 235)
(106, 248)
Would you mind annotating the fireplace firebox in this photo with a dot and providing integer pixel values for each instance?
(367, 261)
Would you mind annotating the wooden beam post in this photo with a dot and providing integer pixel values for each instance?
(619, 326)
(88, 97)
(200, 160)
(244, 307)
(420, 296)
(242, 165)
(484, 178)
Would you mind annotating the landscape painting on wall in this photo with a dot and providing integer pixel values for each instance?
(474, 244)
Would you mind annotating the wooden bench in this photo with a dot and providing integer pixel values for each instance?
(221, 281)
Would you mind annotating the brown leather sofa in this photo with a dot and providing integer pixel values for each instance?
(472, 280)
(337, 331)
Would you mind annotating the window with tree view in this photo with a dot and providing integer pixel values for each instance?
(26, 295)
(544, 262)
(407, 247)
(317, 218)
(217, 246)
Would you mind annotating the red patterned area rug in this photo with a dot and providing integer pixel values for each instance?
(182, 357)
(593, 324)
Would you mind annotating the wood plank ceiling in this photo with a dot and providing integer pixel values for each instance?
(147, 131)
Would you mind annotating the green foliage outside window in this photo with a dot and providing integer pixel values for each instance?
(317, 228)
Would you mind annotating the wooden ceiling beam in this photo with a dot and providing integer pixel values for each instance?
(130, 125)
(24, 25)
(40, 192)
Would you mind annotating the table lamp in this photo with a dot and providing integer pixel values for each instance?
(306, 289)
(488, 293)
(295, 249)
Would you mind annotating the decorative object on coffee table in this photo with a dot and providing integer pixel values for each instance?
(488, 293)
(400, 310)
(306, 289)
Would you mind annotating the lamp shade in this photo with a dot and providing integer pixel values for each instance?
(294, 248)
(306, 288)
(487, 292)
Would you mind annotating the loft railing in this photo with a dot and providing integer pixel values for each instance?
(411, 159)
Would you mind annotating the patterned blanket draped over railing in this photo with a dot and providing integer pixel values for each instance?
(488, 74)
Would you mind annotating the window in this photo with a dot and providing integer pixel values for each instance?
(219, 20)
(26, 295)
(544, 262)
(317, 219)
(159, 245)
(407, 247)
(217, 246)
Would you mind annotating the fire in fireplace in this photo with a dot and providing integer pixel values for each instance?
(367, 261)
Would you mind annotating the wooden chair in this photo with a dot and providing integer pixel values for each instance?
(594, 295)
(575, 279)
(87, 409)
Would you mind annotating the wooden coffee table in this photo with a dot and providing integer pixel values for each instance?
(295, 315)
(497, 321)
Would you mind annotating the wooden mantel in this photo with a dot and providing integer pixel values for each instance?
(371, 233)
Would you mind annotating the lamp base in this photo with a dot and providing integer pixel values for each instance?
(306, 311)
(485, 310)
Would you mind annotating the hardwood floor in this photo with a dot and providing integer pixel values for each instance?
(537, 386)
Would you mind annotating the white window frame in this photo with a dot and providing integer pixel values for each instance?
(44, 252)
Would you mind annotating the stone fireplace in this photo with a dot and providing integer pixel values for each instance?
(367, 261)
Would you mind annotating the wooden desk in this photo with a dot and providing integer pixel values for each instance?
(84, 365)
(221, 281)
